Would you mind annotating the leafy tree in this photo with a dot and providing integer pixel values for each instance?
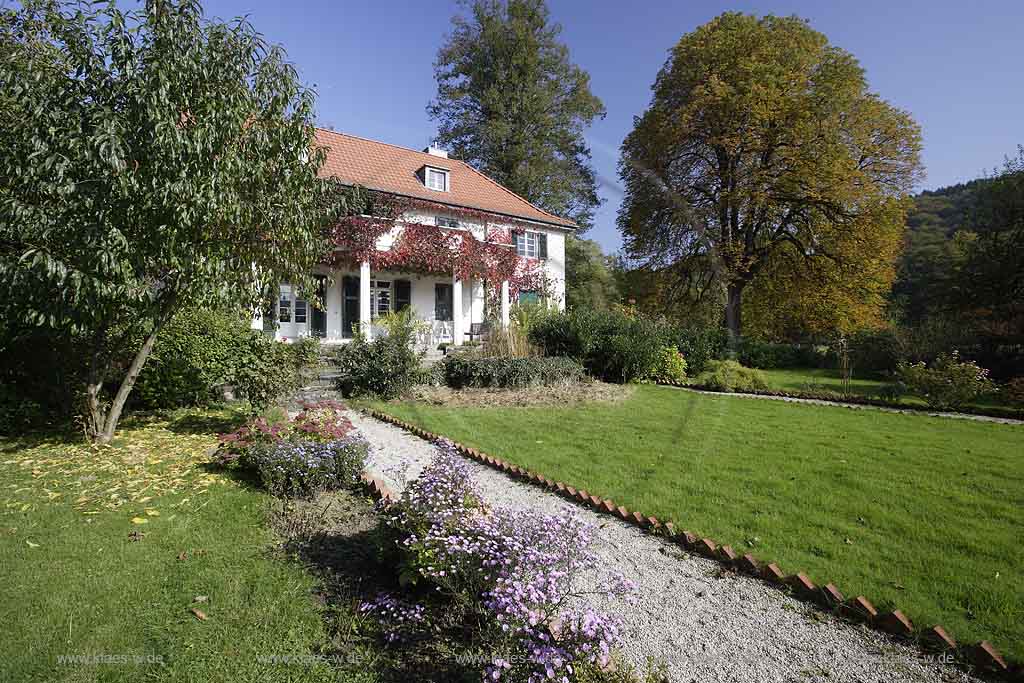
(511, 103)
(589, 281)
(762, 140)
(150, 160)
(680, 296)
(992, 280)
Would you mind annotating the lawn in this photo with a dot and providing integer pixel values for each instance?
(921, 513)
(81, 579)
(818, 379)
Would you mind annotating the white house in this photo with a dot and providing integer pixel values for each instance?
(453, 198)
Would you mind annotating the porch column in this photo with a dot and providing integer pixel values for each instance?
(457, 331)
(504, 304)
(364, 299)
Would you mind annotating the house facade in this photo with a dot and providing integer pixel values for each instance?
(447, 207)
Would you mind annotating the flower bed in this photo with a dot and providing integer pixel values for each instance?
(517, 569)
(316, 451)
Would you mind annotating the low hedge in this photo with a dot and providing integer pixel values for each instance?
(502, 372)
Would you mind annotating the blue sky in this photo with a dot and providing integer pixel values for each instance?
(956, 66)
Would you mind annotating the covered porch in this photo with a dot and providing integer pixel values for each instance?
(353, 300)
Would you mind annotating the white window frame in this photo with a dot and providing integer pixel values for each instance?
(430, 173)
(378, 287)
(302, 310)
(284, 304)
(446, 222)
(530, 243)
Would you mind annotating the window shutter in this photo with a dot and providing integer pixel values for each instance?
(403, 294)
(542, 245)
(517, 242)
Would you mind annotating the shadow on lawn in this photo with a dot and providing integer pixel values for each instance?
(340, 539)
(218, 422)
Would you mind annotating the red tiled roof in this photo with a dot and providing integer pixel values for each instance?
(389, 168)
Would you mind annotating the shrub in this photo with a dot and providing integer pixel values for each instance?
(767, 355)
(728, 375)
(305, 468)
(1014, 391)
(671, 366)
(18, 413)
(948, 383)
(701, 345)
(201, 350)
(384, 368)
(504, 372)
(266, 369)
(877, 351)
(612, 345)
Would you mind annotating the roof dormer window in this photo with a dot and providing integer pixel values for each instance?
(436, 179)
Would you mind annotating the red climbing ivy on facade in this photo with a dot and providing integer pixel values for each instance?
(433, 250)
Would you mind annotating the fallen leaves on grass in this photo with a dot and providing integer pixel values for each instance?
(145, 462)
(199, 614)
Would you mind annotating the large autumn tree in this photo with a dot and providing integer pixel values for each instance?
(511, 103)
(763, 149)
(150, 160)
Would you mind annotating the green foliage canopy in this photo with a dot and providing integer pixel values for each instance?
(762, 140)
(150, 159)
(589, 280)
(511, 103)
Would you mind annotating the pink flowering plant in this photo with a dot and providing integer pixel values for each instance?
(519, 569)
(949, 383)
(317, 450)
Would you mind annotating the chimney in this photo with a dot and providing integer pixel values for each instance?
(436, 151)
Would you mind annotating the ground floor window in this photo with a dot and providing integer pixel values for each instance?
(443, 308)
(403, 295)
(284, 307)
(380, 297)
(529, 297)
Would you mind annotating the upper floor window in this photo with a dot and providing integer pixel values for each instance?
(436, 179)
(443, 222)
(530, 244)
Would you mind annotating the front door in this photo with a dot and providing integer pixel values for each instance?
(318, 319)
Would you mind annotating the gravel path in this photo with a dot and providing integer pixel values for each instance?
(857, 406)
(705, 623)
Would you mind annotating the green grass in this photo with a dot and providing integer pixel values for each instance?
(76, 584)
(796, 380)
(916, 512)
(814, 379)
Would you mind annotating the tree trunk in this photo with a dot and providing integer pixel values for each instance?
(94, 387)
(113, 416)
(733, 311)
